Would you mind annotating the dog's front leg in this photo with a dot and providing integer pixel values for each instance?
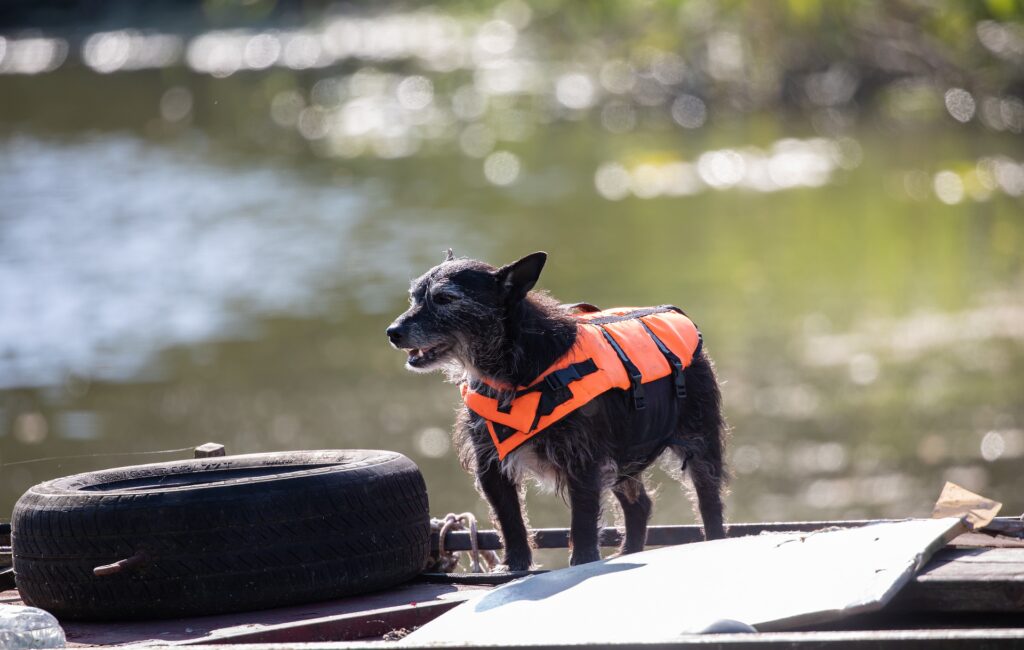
(636, 511)
(503, 496)
(585, 500)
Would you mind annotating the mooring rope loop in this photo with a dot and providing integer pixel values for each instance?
(448, 560)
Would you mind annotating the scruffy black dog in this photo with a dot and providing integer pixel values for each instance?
(480, 323)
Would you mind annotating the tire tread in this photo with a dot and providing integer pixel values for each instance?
(229, 547)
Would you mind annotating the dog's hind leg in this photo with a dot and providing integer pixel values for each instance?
(503, 496)
(700, 449)
(585, 488)
(636, 511)
(703, 459)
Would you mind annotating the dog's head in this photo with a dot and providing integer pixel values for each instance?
(457, 313)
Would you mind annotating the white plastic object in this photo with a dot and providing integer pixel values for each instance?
(29, 627)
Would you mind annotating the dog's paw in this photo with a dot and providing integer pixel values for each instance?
(504, 568)
(512, 565)
(583, 557)
(623, 551)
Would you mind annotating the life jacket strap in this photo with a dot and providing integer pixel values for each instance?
(636, 386)
(554, 388)
(678, 375)
(504, 398)
(561, 378)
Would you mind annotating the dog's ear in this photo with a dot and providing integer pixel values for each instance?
(516, 279)
(449, 255)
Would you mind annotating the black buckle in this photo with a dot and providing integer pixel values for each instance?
(679, 379)
(562, 378)
(636, 389)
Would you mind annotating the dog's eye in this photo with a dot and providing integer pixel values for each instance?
(443, 298)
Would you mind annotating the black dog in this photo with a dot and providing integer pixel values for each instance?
(477, 322)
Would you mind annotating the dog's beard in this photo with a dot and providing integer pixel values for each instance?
(456, 373)
(471, 354)
(460, 366)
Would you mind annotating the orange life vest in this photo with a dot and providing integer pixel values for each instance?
(622, 348)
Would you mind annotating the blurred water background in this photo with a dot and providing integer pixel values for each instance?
(209, 212)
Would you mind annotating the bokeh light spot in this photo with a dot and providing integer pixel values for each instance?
(746, 459)
(618, 76)
(575, 90)
(992, 446)
(286, 106)
(949, 187)
(415, 93)
(960, 104)
(176, 104)
(689, 111)
(496, 37)
(262, 51)
(433, 442)
(32, 55)
(618, 116)
(721, 169)
(612, 181)
(502, 168)
(31, 428)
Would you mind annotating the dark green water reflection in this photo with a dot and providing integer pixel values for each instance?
(186, 258)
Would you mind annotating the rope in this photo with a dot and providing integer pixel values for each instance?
(447, 561)
(107, 455)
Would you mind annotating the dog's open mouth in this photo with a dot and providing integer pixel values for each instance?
(419, 357)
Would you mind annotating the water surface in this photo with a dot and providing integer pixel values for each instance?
(193, 252)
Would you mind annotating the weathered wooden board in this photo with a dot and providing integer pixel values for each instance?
(356, 617)
(989, 580)
(768, 581)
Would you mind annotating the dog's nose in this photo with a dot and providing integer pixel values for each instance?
(395, 334)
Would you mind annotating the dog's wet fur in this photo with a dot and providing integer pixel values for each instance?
(474, 321)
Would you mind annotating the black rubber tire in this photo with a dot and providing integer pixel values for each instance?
(221, 534)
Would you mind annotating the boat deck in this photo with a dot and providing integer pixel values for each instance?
(970, 591)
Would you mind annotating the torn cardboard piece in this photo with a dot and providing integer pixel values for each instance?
(974, 510)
